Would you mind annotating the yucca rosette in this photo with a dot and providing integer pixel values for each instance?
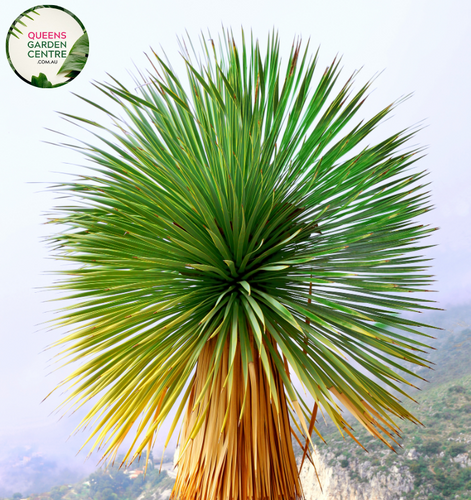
(237, 236)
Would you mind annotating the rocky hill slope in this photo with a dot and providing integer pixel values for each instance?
(435, 459)
(434, 462)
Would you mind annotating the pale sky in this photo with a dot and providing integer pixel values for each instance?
(418, 46)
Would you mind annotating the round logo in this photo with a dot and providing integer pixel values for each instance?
(47, 46)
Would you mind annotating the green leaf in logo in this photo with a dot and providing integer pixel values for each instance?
(77, 58)
(41, 81)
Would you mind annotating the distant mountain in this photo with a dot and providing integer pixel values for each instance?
(452, 355)
(113, 483)
(26, 469)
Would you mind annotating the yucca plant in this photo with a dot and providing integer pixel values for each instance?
(238, 230)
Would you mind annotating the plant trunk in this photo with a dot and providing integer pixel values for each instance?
(243, 450)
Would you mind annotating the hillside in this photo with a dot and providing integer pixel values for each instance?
(433, 462)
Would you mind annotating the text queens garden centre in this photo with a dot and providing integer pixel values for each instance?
(48, 46)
